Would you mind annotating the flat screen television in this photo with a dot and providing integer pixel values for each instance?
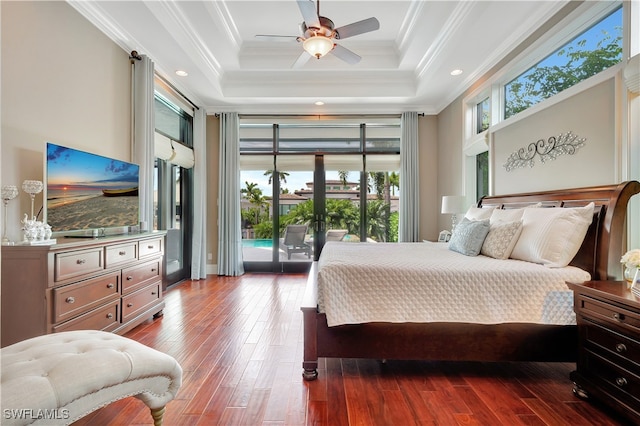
(87, 192)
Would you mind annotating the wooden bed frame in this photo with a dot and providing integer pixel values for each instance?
(599, 255)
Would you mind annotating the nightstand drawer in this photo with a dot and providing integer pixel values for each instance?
(608, 342)
(120, 254)
(600, 310)
(617, 380)
(75, 263)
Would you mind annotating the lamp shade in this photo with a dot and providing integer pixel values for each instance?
(318, 46)
(453, 204)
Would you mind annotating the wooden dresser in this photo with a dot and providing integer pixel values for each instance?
(110, 284)
(608, 367)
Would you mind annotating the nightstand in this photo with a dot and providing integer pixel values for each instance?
(608, 365)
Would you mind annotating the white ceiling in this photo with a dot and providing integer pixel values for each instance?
(405, 65)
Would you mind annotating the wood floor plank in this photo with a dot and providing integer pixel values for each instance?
(240, 343)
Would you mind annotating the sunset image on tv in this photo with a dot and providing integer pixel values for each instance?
(89, 191)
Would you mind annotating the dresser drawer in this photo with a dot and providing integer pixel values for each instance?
(106, 318)
(138, 301)
(121, 254)
(73, 299)
(150, 247)
(140, 275)
(625, 319)
(617, 380)
(75, 263)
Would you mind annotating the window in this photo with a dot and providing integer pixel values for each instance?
(483, 116)
(482, 174)
(591, 52)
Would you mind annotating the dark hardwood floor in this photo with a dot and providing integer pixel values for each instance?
(239, 341)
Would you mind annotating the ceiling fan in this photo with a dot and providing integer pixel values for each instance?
(319, 34)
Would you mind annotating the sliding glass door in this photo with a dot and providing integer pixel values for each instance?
(304, 184)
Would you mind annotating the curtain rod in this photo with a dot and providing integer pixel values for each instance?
(420, 114)
(135, 55)
(315, 115)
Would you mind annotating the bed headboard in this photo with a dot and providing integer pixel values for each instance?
(605, 241)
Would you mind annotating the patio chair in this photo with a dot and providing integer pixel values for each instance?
(336, 234)
(293, 241)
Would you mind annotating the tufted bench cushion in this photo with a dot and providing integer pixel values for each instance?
(61, 377)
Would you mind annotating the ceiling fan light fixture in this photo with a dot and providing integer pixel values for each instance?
(318, 45)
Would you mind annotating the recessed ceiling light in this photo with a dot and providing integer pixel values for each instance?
(182, 73)
(319, 103)
(456, 72)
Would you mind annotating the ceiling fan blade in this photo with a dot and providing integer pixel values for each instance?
(345, 54)
(309, 14)
(302, 59)
(280, 38)
(360, 27)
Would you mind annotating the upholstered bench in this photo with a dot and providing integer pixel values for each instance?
(59, 378)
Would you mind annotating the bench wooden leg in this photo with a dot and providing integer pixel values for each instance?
(157, 415)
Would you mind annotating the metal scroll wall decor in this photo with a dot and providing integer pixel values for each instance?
(552, 148)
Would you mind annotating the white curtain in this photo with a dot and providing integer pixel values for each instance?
(199, 240)
(409, 220)
(229, 226)
(143, 118)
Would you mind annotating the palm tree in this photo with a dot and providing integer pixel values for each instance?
(394, 181)
(254, 194)
(281, 175)
(343, 175)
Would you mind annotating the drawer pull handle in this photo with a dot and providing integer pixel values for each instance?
(621, 381)
(154, 293)
(150, 247)
(618, 317)
(153, 269)
(129, 278)
(129, 305)
(110, 285)
(109, 315)
(122, 253)
(70, 299)
(81, 261)
(620, 347)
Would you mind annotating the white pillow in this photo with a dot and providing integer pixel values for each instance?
(479, 213)
(552, 236)
(501, 239)
(506, 215)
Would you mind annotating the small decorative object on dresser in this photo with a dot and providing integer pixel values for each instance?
(9, 192)
(631, 265)
(608, 366)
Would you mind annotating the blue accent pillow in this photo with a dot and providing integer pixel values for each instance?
(468, 236)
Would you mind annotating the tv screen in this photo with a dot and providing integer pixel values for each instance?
(88, 191)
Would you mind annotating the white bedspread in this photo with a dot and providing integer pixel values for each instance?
(426, 282)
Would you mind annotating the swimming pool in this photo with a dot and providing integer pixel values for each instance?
(264, 243)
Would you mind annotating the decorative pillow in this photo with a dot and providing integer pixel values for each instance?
(552, 236)
(468, 236)
(479, 213)
(506, 215)
(501, 239)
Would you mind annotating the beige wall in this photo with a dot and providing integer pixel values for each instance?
(588, 114)
(450, 159)
(62, 81)
(428, 160)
